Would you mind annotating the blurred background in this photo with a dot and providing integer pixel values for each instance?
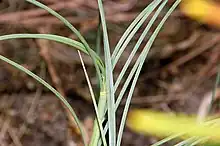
(178, 75)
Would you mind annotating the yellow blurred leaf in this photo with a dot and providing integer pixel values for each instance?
(204, 11)
(164, 124)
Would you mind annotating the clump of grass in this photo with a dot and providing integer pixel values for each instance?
(108, 101)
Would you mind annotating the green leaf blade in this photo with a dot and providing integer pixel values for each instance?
(141, 61)
(109, 79)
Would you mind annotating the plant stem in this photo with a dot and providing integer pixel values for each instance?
(101, 109)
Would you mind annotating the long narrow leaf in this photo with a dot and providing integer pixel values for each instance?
(94, 100)
(95, 139)
(132, 72)
(58, 95)
(217, 81)
(51, 37)
(133, 52)
(102, 111)
(186, 142)
(142, 60)
(98, 48)
(135, 29)
(109, 79)
(166, 139)
(144, 52)
(130, 28)
(136, 47)
(98, 63)
(199, 141)
(56, 38)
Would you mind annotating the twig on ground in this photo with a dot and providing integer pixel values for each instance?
(4, 130)
(26, 14)
(44, 52)
(173, 66)
(33, 106)
(207, 70)
(188, 42)
(14, 137)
